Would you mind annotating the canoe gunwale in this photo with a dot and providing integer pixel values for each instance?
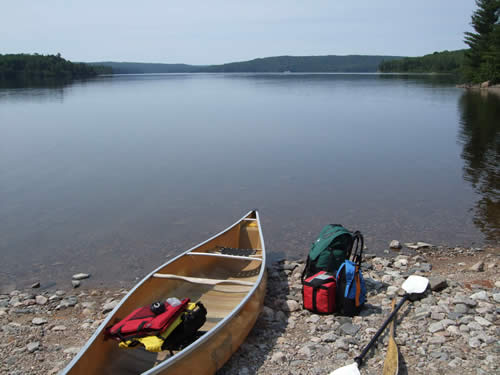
(162, 366)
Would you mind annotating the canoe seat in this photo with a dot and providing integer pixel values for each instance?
(199, 280)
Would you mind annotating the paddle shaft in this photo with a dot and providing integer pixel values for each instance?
(359, 359)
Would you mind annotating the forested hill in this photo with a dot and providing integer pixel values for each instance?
(26, 67)
(437, 62)
(313, 64)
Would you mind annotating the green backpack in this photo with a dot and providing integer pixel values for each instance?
(332, 247)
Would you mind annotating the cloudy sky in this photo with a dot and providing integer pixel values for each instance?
(215, 31)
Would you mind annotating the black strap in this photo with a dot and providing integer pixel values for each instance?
(306, 269)
(358, 244)
(315, 291)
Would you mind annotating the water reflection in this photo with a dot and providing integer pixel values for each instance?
(479, 134)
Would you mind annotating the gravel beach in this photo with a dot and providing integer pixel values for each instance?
(454, 328)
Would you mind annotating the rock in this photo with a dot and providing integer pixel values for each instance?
(75, 283)
(267, 313)
(313, 319)
(482, 295)
(59, 328)
(461, 308)
(437, 283)
(417, 245)
(33, 346)
(39, 321)
(485, 84)
(437, 340)
(278, 357)
(342, 344)
(107, 307)
(305, 351)
(41, 300)
(349, 328)
(35, 285)
(474, 342)
(80, 276)
(401, 263)
(329, 337)
(482, 321)
(395, 244)
(291, 305)
(72, 350)
(436, 327)
(425, 267)
(496, 297)
(478, 267)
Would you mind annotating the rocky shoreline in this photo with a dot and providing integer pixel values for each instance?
(454, 328)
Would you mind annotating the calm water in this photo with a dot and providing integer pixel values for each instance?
(113, 176)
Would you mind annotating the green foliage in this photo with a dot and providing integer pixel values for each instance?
(437, 62)
(26, 67)
(482, 60)
(354, 63)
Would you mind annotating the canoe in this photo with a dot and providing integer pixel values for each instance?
(227, 273)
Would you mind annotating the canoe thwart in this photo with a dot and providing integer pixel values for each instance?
(199, 280)
(227, 256)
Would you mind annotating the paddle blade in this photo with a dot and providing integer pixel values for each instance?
(415, 284)
(351, 369)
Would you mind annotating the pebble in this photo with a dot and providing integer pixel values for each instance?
(80, 276)
(33, 346)
(75, 283)
(107, 307)
(482, 321)
(478, 267)
(482, 295)
(437, 283)
(59, 328)
(41, 300)
(349, 328)
(395, 244)
(35, 285)
(39, 321)
(291, 306)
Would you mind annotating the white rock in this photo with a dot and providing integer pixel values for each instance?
(482, 295)
(291, 305)
(107, 307)
(80, 276)
(496, 297)
(478, 267)
(395, 244)
(72, 350)
(59, 328)
(278, 357)
(482, 321)
(39, 321)
(474, 342)
(41, 300)
(33, 346)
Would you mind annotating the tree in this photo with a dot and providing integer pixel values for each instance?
(482, 58)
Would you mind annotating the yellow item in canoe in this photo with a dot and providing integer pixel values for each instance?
(154, 343)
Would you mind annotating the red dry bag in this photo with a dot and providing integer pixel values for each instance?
(318, 292)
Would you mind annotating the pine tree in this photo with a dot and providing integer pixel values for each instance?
(481, 61)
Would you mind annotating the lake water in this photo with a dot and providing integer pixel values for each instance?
(113, 176)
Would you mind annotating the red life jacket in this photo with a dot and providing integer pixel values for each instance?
(143, 322)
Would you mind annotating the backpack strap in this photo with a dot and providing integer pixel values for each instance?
(357, 243)
(306, 269)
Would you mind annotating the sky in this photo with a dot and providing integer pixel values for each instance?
(215, 31)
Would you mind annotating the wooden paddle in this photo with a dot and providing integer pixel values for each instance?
(413, 286)
(391, 364)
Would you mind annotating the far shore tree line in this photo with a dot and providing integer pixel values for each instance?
(479, 63)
